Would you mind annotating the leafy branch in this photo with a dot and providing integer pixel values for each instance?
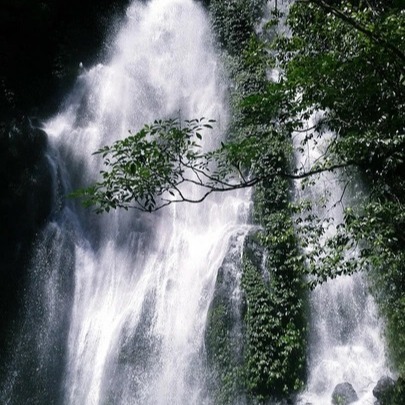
(163, 164)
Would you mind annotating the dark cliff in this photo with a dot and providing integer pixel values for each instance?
(42, 44)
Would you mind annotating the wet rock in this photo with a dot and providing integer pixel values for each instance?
(383, 388)
(344, 394)
(224, 337)
(288, 401)
(253, 250)
(25, 205)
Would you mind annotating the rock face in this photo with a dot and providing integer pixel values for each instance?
(41, 46)
(344, 394)
(383, 391)
(224, 334)
(25, 204)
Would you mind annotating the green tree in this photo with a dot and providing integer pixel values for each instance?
(344, 58)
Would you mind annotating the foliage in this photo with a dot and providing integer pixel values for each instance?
(362, 81)
(355, 50)
(340, 69)
(398, 394)
(275, 325)
(233, 22)
(153, 168)
(393, 395)
(285, 373)
(222, 341)
(149, 169)
(379, 227)
(274, 337)
(260, 337)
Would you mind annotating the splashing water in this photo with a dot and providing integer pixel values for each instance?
(142, 283)
(131, 291)
(346, 335)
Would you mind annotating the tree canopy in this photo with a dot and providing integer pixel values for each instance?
(336, 67)
(343, 58)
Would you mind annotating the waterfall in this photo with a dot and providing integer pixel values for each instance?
(140, 284)
(346, 335)
(117, 304)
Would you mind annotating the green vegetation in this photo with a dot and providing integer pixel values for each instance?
(223, 342)
(146, 170)
(346, 60)
(274, 338)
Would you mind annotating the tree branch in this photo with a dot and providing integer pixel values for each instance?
(318, 171)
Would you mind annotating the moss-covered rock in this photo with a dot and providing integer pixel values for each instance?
(224, 333)
(274, 326)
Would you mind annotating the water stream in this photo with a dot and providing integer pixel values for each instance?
(346, 343)
(141, 284)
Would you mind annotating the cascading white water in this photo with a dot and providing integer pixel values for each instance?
(143, 283)
(346, 336)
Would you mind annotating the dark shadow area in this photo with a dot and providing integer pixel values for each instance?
(42, 44)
